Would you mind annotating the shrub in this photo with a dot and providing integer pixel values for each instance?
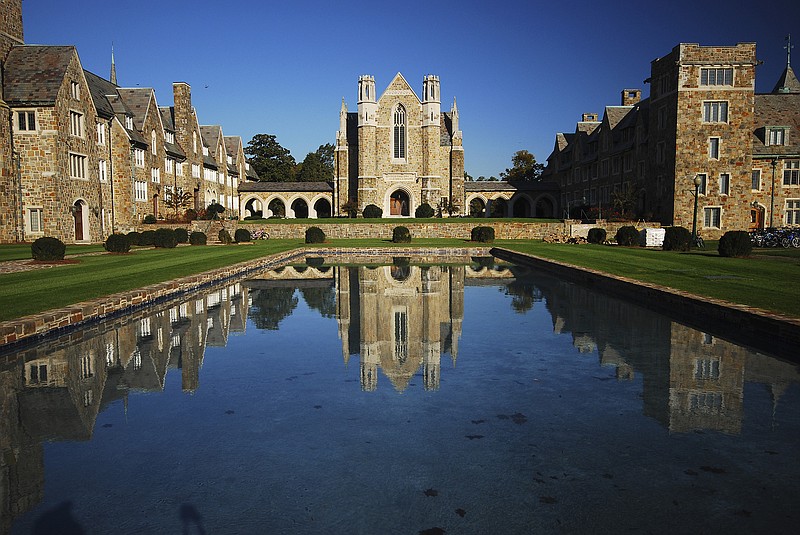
(48, 249)
(677, 239)
(197, 238)
(315, 261)
(133, 237)
(596, 235)
(424, 210)
(118, 243)
(627, 236)
(735, 243)
(190, 215)
(350, 208)
(372, 212)
(401, 235)
(149, 219)
(225, 237)
(148, 237)
(165, 238)
(182, 235)
(482, 234)
(242, 235)
(315, 235)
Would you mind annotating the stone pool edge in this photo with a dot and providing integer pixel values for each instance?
(27, 328)
(741, 323)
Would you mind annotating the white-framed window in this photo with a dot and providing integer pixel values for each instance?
(703, 183)
(139, 157)
(716, 76)
(791, 173)
(712, 216)
(706, 369)
(35, 220)
(101, 133)
(155, 174)
(169, 136)
(77, 165)
(777, 136)
(178, 169)
(755, 179)
(792, 214)
(169, 165)
(26, 121)
(194, 142)
(129, 122)
(724, 183)
(140, 188)
(230, 160)
(102, 168)
(75, 90)
(153, 146)
(195, 170)
(715, 111)
(399, 133)
(713, 148)
(76, 123)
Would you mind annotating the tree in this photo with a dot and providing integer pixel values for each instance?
(177, 200)
(271, 161)
(524, 168)
(317, 166)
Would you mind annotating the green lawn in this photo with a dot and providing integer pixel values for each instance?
(395, 221)
(23, 251)
(765, 280)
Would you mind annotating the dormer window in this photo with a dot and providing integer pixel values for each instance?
(777, 136)
(75, 90)
(170, 137)
(129, 122)
(205, 151)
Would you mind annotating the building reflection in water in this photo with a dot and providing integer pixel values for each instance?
(397, 319)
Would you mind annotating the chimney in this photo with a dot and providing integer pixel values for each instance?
(631, 97)
(589, 118)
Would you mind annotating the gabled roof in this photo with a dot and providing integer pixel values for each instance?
(232, 144)
(401, 83)
(33, 74)
(777, 110)
(787, 83)
(137, 99)
(211, 135)
(615, 114)
(251, 172)
(167, 117)
(101, 90)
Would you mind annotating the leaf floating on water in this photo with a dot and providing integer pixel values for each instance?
(519, 418)
(317, 406)
(229, 412)
(460, 512)
(431, 492)
(478, 421)
(608, 476)
(690, 472)
(473, 437)
(108, 425)
(432, 531)
(547, 499)
(503, 417)
(713, 470)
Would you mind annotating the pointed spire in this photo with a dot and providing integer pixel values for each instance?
(789, 48)
(454, 115)
(788, 82)
(113, 77)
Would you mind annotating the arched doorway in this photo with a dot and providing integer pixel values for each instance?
(253, 208)
(499, 208)
(81, 219)
(756, 217)
(522, 208)
(300, 209)
(323, 208)
(277, 208)
(399, 204)
(477, 208)
(544, 208)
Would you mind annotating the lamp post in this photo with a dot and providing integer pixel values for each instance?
(697, 182)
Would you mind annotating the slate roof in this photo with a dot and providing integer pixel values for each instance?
(777, 110)
(137, 99)
(616, 113)
(251, 172)
(787, 83)
(232, 146)
(33, 74)
(210, 135)
(446, 126)
(100, 90)
(209, 161)
(287, 186)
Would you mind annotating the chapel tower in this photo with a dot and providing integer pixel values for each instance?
(10, 36)
(367, 139)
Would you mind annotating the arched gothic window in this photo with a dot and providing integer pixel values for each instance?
(153, 142)
(400, 132)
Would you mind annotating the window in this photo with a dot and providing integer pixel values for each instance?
(755, 179)
(791, 173)
(35, 220)
(615, 165)
(102, 170)
(724, 183)
(76, 124)
(129, 122)
(793, 211)
(702, 189)
(153, 145)
(715, 111)
(713, 148)
(705, 369)
(139, 157)
(26, 121)
(660, 152)
(712, 216)
(101, 133)
(604, 168)
(77, 166)
(170, 137)
(400, 133)
(194, 142)
(777, 136)
(179, 169)
(195, 170)
(662, 117)
(169, 165)
(717, 76)
(155, 174)
(75, 90)
(627, 162)
(140, 188)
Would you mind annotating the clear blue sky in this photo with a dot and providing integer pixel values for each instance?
(521, 70)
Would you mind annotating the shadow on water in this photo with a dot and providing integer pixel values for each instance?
(58, 521)
(191, 519)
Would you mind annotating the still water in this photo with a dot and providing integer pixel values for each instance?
(398, 399)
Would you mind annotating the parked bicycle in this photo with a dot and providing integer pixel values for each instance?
(773, 237)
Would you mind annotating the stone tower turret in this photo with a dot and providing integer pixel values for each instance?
(430, 100)
(341, 163)
(10, 36)
(431, 135)
(367, 101)
(10, 26)
(367, 127)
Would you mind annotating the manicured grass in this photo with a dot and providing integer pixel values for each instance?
(765, 280)
(22, 251)
(395, 221)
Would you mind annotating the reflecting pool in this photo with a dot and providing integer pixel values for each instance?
(397, 398)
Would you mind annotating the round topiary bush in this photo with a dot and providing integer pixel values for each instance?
(315, 235)
(242, 235)
(197, 238)
(117, 243)
(627, 236)
(147, 238)
(735, 243)
(165, 238)
(401, 235)
(48, 249)
(482, 234)
(677, 239)
(133, 237)
(149, 219)
(225, 237)
(424, 210)
(372, 212)
(596, 235)
(182, 235)
(190, 214)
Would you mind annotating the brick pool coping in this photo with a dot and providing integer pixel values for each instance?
(750, 326)
(29, 328)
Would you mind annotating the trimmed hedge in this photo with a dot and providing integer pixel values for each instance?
(596, 235)
(315, 235)
(197, 238)
(401, 235)
(677, 239)
(133, 237)
(117, 243)
(424, 210)
(225, 237)
(482, 234)
(48, 249)
(735, 243)
(149, 219)
(242, 235)
(147, 238)
(372, 212)
(182, 235)
(165, 238)
(627, 236)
